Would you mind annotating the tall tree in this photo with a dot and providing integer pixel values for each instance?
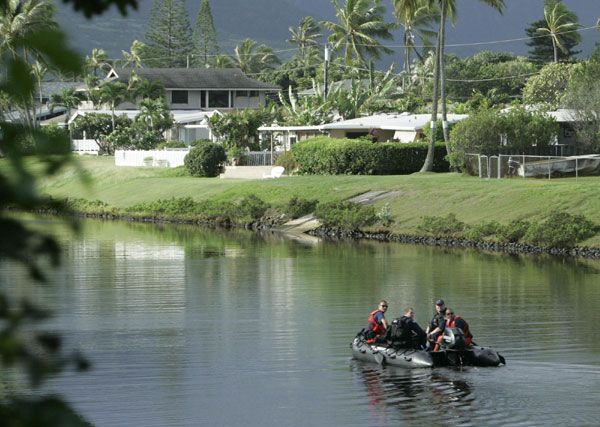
(67, 98)
(113, 93)
(448, 9)
(97, 61)
(360, 25)
(253, 59)
(133, 58)
(544, 43)
(306, 35)
(18, 18)
(170, 37)
(205, 38)
(415, 16)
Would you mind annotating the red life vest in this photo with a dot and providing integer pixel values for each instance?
(465, 329)
(376, 327)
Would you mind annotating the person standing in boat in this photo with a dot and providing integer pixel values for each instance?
(436, 321)
(454, 321)
(377, 326)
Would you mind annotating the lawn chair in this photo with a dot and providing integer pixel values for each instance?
(276, 172)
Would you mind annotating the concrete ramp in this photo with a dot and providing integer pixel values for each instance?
(246, 172)
(306, 223)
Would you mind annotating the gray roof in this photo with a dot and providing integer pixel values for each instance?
(50, 88)
(195, 78)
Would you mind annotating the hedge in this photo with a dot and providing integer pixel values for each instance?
(332, 156)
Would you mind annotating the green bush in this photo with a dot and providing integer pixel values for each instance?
(251, 206)
(345, 214)
(384, 216)
(484, 229)
(561, 229)
(287, 161)
(206, 159)
(514, 230)
(295, 207)
(172, 144)
(332, 156)
(194, 143)
(442, 225)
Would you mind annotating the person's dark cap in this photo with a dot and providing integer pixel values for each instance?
(439, 302)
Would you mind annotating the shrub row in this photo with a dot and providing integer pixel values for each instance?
(331, 156)
(560, 229)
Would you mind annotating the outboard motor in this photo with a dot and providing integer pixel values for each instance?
(454, 338)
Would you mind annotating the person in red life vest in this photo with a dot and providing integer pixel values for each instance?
(377, 326)
(454, 321)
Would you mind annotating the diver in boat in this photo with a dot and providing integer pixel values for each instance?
(437, 319)
(376, 329)
(454, 321)
(405, 332)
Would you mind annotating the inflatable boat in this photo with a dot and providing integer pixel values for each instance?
(382, 354)
(452, 351)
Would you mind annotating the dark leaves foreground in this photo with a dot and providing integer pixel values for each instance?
(26, 350)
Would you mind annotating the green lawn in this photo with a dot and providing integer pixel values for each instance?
(472, 199)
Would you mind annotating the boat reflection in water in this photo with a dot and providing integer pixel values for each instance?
(414, 396)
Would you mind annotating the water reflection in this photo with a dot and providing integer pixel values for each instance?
(414, 395)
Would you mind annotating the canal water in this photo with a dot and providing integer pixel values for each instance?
(186, 326)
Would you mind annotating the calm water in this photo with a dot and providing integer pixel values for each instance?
(191, 327)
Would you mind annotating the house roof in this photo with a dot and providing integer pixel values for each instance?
(180, 116)
(402, 121)
(50, 88)
(194, 78)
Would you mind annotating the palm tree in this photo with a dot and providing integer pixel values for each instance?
(155, 113)
(224, 61)
(38, 70)
(252, 59)
(306, 35)
(415, 16)
(360, 24)
(448, 9)
(20, 17)
(98, 60)
(113, 93)
(66, 98)
(133, 58)
(145, 89)
(558, 20)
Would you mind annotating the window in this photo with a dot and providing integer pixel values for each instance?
(218, 99)
(253, 93)
(241, 94)
(179, 97)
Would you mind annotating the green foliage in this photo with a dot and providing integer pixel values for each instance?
(561, 229)
(439, 130)
(170, 37)
(135, 137)
(239, 129)
(199, 141)
(249, 207)
(483, 229)
(514, 230)
(98, 126)
(384, 216)
(345, 214)
(205, 37)
(27, 351)
(547, 88)
(287, 161)
(487, 131)
(442, 225)
(252, 206)
(297, 207)
(331, 156)
(172, 144)
(237, 153)
(205, 160)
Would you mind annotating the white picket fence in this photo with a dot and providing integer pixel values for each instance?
(169, 158)
(85, 146)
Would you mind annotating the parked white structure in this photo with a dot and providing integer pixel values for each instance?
(168, 158)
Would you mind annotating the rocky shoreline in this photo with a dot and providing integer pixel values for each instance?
(271, 223)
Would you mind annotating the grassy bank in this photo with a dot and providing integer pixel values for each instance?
(473, 200)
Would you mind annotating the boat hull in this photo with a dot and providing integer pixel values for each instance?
(404, 358)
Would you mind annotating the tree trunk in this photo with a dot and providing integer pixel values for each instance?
(443, 77)
(428, 164)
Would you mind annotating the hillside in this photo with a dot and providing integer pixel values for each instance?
(268, 20)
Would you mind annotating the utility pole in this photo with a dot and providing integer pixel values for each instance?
(325, 67)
